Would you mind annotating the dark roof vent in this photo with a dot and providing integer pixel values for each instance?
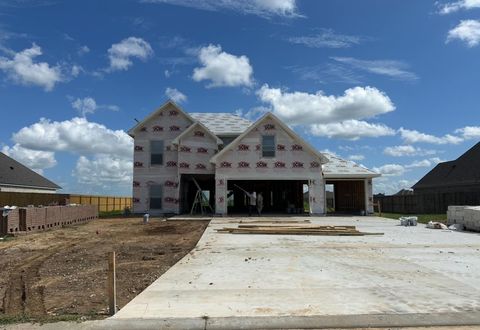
(11, 167)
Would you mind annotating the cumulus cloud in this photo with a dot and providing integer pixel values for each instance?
(390, 68)
(356, 158)
(122, 53)
(467, 31)
(22, 69)
(223, 69)
(103, 170)
(351, 130)
(77, 135)
(413, 136)
(327, 38)
(37, 160)
(88, 105)
(451, 7)
(420, 163)
(390, 170)
(406, 150)
(391, 185)
(175, 95)
(469, 132)
(262, 8)
(305, 108)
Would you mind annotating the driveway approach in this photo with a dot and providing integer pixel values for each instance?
(411, 276)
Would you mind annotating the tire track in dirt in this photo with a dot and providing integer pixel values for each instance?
(23, 292)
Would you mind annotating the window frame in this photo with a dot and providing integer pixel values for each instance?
(156, 196)
(151, 153)
(273, 146)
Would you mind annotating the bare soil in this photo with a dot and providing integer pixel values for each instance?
(63, 271)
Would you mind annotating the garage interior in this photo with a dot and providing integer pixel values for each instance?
(348, 196)
(279, 196)
(188, 190)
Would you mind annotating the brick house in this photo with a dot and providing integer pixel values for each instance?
(16, 177)
(174, 150)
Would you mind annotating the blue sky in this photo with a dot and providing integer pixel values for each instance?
(392, 85)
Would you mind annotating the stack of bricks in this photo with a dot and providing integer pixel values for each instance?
(35, 218)
(468, 216)
(13, 221)
(41, 218)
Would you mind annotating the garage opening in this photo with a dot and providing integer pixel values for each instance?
(279, 196)
(188, 190)
(345, 196)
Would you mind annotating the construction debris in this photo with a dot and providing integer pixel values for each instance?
(408, 221)
(290, 229)
(436, 225)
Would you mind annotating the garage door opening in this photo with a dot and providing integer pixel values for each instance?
(188, 190)
(345, 196)
(279, 196)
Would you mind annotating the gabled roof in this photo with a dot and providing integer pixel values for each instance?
(222, 123)
(191, 128)
(465, 170)
(13, 173)
(341, 168)
(132, 130)
(285, 127)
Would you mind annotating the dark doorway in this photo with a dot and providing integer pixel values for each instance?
(188, 189)
(279, 196)
(348, 196)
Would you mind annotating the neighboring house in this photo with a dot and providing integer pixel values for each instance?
(15, 177)
(457, 176)
(222, 152)
(404, 192)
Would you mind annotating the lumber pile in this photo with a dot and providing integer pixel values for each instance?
(294, 229)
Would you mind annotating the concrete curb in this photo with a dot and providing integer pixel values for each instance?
(297, 322)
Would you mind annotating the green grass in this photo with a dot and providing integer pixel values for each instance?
(7, 238)
(422, 218)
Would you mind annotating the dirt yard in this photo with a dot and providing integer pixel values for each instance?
(63, 271)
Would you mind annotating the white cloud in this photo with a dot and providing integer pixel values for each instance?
(356, 158)
(88, 105)
(413, 136)
(22, 69)
(351, 130)
(223, 69)
(104, 170)
(263, 8)
(389, 185)
(82, 50)
(406, 150)
(469, 132)
(390, 170)
(175, 95)
(327, 38)
(34, 159)
(419, 163)
(305, 108)
(77, 135)
(458, 5)
(390, 68)
(467, 31)
(122, 53)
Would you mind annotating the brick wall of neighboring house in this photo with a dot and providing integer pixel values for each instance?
(30, 219)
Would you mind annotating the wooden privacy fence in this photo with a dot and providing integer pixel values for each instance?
(104, 203)
(427, 203)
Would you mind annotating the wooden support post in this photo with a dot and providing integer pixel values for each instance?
(112, 286)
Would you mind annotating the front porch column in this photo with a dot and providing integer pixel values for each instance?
(316, 193)
(369, 196)
(220, 195)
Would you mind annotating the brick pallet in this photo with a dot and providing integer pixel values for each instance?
(31, 219)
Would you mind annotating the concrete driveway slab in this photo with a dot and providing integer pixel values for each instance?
(410, 276)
